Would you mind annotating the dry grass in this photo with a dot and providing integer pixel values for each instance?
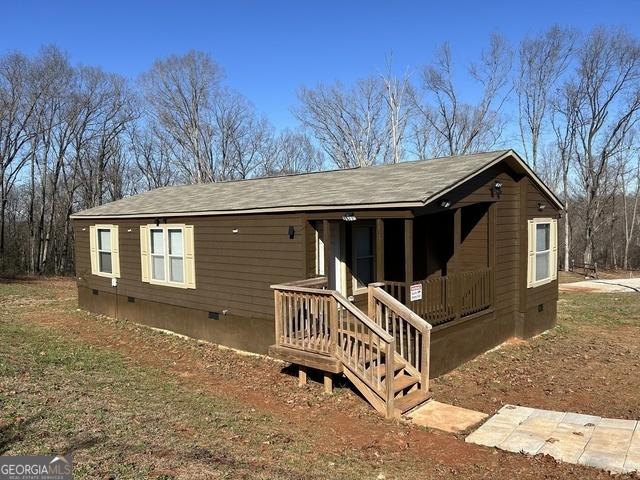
(134, 403)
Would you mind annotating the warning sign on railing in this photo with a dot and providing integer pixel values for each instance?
(415, 292)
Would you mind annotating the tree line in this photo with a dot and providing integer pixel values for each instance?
(76, 136)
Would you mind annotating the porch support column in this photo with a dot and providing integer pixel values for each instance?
(302, 375)
(457, 239)
(408, 252)
(379, 250)
(326, 239)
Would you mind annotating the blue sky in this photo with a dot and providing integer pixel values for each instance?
(269, 48)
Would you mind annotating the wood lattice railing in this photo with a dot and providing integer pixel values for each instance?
(449, 297)
(412, 333)
(385, 354)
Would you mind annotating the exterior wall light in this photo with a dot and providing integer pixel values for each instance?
(445, 203)
(292, 232)
(349, 217)
(235, 230)
(541, 207)
(496, 190)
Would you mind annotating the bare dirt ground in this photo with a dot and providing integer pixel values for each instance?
(603, 274)
(134, 403)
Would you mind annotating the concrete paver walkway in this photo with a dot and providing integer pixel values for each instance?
(607, 443)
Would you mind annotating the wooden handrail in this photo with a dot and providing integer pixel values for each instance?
(307, 282)
(294, 288)
(411, 334)
(373, 326)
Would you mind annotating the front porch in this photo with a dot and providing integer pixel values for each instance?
(376, 287)
(440, 264)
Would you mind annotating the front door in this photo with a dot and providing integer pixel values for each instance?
(337, 268)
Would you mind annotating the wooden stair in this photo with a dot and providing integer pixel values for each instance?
(384, 352)
(406, 386)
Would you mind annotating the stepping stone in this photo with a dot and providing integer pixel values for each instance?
(448, 418)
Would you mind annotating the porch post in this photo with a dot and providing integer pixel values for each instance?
(408, 253)
(380, 250)
(457, 238)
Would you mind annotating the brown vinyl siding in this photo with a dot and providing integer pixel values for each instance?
(233, 271)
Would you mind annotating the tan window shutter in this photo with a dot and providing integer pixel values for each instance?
(93, 249)
(531, 264)
(189, 257)
(115, 251)
(144, 252)
(554, 249)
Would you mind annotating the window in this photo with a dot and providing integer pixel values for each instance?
(542, 251)
(104, 251)
(167, 255)
(363, 256)
(105, 261)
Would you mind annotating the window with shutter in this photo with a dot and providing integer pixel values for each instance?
(105, 252)
(166, 255)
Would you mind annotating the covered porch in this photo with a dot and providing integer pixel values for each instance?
(440, 263)
(375, 288)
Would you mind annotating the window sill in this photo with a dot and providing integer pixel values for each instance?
(105, 275)
(168, 284)
(540, 283)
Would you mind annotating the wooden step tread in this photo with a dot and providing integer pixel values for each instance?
(410, 401)
(382, 369)
(404, 381)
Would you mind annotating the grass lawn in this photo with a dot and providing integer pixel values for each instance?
(134, 403)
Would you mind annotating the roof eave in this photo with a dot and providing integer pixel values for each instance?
(302, 208)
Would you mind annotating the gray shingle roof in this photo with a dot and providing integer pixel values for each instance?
(404, 184)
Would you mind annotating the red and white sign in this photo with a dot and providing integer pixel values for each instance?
(415, 292)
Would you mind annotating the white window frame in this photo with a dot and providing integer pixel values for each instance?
(167, 256)
(357, 290)
(113, 239)
(109, 251)
(533, 237)
(319, 254)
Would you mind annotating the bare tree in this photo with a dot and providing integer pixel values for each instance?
(462, 127)
(293, 153)
(398, 96)
(542, 61)
(608, 86)
(108, 111)
(564, 125)
(151, 158)
(629, 181)
(181, 93)
(20, 93)
(349, 124)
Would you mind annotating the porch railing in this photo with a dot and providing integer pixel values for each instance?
(449, 297)
(372, 347)
(303, 316)
(412, 333)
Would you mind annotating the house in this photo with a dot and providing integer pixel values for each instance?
(428, 263)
